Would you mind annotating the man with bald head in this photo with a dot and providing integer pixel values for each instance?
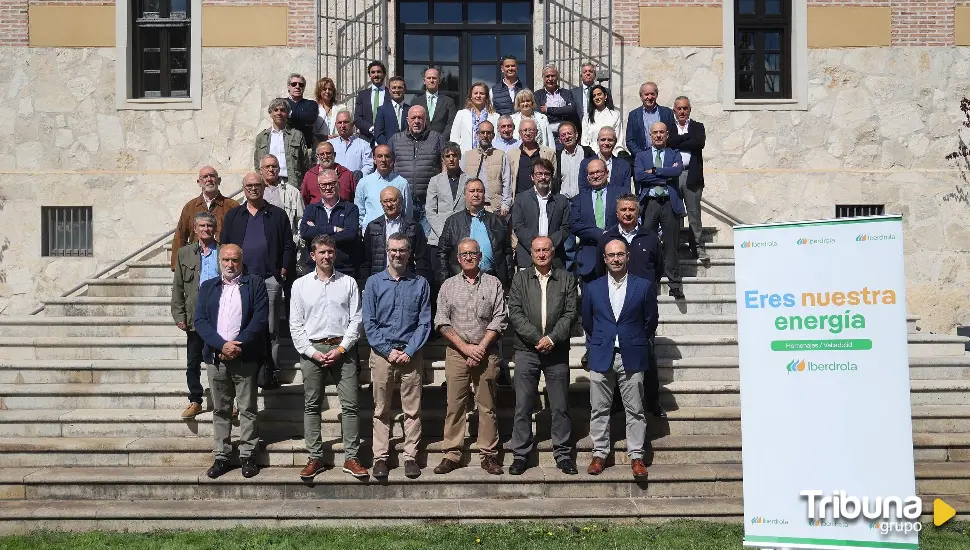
(640, 119)
(620, 170)
(367, 197)
(352, 152)
(231, 318)
(417, 157)
(211, 201)
(394, 221)
(522, 157)
(590, 213)
(657, 174)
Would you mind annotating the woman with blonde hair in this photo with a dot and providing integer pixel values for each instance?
(326, 96)
(525, 105)
(602, 113)
(478, 109)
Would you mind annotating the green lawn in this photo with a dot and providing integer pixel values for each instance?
(684, 535)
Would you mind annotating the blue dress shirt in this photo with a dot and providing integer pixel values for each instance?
(396, 312)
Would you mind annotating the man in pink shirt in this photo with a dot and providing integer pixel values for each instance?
(231, 318)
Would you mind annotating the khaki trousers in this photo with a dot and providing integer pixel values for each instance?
(459, 377)
(383, 377)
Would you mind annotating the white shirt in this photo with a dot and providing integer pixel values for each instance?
(629, 236)
(603, 119)
(608, 161)
(208, 203)
(271, 194)
(278, 149)
(543, 214)
(324, 309)
(229, 322)
(569, 167)
(684, 155)
(397, 112)
(617, 297)
(543, 282)
(391, 226)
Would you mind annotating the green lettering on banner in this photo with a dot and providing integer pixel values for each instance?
(821, 345)
(833, 542)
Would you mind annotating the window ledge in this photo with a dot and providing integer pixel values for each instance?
(160, 104)
(765, 105)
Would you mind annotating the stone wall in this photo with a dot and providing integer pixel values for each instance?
(879, 126)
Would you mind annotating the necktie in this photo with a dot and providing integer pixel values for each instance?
(600, 210)
(657, 160)
(397, 114)
(586, 101)
(377, 97)
(431, 102)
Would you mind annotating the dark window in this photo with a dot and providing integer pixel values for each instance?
(857, 210)
(762, 49)
(66, 231)
(160, 58)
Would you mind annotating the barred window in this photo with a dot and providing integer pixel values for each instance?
(762, 49)
(160, 54)
(66, 231)
(857, 210)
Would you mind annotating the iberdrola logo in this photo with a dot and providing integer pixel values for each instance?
(796, 365)
(861, 238)
(802, 241)
(746, 244)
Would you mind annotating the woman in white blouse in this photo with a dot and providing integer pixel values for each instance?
(602, 113)
(478, 109)
(326, 96)
(525, 104)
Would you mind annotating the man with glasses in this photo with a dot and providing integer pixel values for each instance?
(441, 108)
(327, 160)
(285, 143)
(491, 165)
(392, 116)
(369, 100)
(490, 230)
(353, 153)
(368, 194)
(522, 158)
(336, 219)
(303, 112)
(212, 200)
(590, 213)
(284, 196)
(620, 170)
(540, 213)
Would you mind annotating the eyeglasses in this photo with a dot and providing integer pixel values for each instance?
(398, 251)
(325, 154)
(615, 255)
(595, 172)
(253, 187)
(468, 254)
(271, 166)
(542, 174)
(300, 84)
(328, 184)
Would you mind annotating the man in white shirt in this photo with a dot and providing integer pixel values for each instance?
(324, 325)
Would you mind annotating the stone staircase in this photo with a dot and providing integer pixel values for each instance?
(91, 436)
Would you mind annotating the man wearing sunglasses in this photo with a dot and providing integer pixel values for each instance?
(303, 112)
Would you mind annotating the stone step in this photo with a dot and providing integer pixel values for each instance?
(26, 516)
(147, 286)
(158, 268)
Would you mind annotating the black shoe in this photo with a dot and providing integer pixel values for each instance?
(677, 293)
(380, 469)
(518, 467)
(702, 254)
(411, 469)
(567, 466)
(658, 411)
(249, 467)
(219, 467)
(503, 380)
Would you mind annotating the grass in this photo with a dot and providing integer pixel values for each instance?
(681, 535)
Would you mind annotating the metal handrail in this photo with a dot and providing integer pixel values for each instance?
(730, 217)
(120, 262)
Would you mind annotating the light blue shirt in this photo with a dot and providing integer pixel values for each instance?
(658, 190)
(396, 312)
(649, 117)
(353, 156)
(506, 146)
(479, 232)
(208, 265)
(368, 195)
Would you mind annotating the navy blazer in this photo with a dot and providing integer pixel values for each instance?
(620, 175)
(582, 223)
(638, 137)
(386, 125)
(255, 318)
(303, 115)
(637, 323)
(693, 142)
(346, 216)
(567, 113)
(646, 260)
(364, 112)
(279, 235)
(668, 175)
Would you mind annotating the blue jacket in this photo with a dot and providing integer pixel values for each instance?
(501, 101)
(668, 175)
(638, 137)
(279, 236)
(345, 216)
(582, 223)
(620, 175)
(636, 324)
(646, 259)
(255, 318)
(386, 125)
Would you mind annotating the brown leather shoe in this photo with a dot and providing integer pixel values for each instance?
(312, 468)
(446, 466)
(596, 466)
(354, 468)
(639, 468)
(191, 411)
(490, 464)
(235, 411)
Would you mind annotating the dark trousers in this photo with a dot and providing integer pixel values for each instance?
(692, 201)
(651, 378)
(661, 211)
(528, 366)
(193, 366)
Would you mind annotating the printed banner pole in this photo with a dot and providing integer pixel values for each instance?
(827, 438)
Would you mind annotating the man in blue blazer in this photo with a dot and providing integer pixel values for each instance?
(369, 101)
(590, 213)
(660, 194)
(620, 170)
(231, 318)
(620, 315)
(392, 116)
(640, 119)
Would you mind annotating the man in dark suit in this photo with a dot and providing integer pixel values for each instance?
(587, 77)
(620, 314)
(640, 119)
(555, 102)
(337, 218)
(230, 317)
(657, 172)
(369, 101)
(263, 232)
(392, 115)
(394, 221)
(441, 108)
(303, 112)
(539, 212)
(620, 170)
(689, 139)
(590, 213)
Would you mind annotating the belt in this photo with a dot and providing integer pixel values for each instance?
(328, 341)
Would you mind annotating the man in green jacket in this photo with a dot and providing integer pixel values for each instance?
(285, 143)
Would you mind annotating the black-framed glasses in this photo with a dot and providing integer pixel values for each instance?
(300, 84)
(468, 254)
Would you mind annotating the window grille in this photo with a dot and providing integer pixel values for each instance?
(66, 231)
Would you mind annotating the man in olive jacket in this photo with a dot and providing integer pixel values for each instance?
(542, 310)
(283, 142)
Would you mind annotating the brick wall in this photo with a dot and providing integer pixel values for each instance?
(13, 22)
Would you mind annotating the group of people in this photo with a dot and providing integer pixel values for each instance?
(465, 238)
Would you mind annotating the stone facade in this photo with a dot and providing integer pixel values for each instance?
(879, 126)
